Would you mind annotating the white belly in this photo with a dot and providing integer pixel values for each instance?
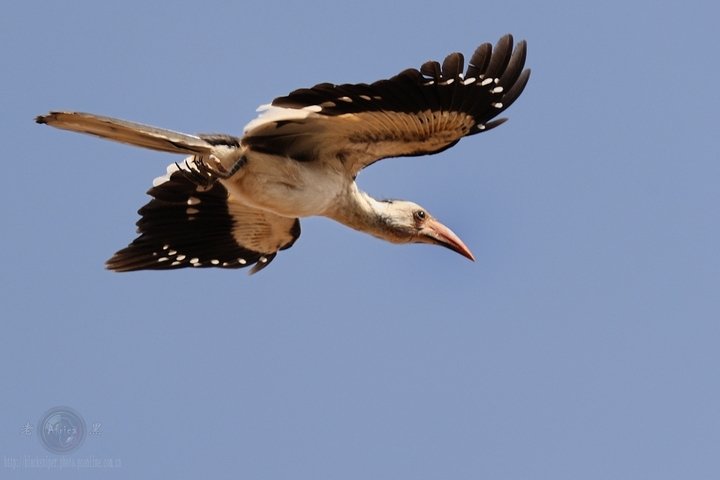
(287, 187)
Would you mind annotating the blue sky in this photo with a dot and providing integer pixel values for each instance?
(583, 343)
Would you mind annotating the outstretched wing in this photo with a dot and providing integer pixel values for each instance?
(414, 113)
(189, 226)
(130, 133)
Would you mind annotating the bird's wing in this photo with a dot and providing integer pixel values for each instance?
(189, 226)
(130, 133)
(417, 112)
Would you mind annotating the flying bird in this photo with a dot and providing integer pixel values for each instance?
(237, 201)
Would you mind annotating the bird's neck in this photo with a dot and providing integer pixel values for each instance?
(361, 212)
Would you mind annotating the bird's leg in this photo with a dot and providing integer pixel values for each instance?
(237, 166)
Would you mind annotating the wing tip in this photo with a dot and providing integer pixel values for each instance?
(262, 262)
(114, 264)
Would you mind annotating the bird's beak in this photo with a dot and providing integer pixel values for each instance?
(438, 234)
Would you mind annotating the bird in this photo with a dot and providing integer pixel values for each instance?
(235, 202)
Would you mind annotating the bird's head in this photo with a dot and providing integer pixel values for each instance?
(408, 222)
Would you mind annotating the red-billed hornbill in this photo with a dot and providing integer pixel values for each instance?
(236, 201)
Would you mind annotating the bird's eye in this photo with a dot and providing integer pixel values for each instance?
(420, 215)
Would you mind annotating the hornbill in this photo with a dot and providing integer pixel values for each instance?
(236, 201)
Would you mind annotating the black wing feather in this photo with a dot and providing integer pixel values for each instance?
(479, 61)
(188, 226)
(458, 105)
(499, 58)
(434, 87)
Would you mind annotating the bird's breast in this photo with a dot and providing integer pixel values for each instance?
(288, 187)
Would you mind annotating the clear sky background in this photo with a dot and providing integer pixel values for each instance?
(583, 343)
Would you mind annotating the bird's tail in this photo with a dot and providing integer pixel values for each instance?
(129, 133)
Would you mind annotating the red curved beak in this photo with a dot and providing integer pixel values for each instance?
(439, 234)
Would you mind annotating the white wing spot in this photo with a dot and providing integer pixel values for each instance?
(194, 260)
(242, 261)
(448, 81)
(262, 259)
(191, 218)
(193, 201)
(160, 180)
(498, 105)
(181, 257)
(276, 114)
(327, 104)
(172, 252)
(192, 211)
(166, 246)
(313, 108)
(470, 80)
(345, 99)
(215, 262)
(163, 259)
(365, 97)
(481, 126)
(487, 81)
(174, 263)
(497, 90)
(172, 168)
